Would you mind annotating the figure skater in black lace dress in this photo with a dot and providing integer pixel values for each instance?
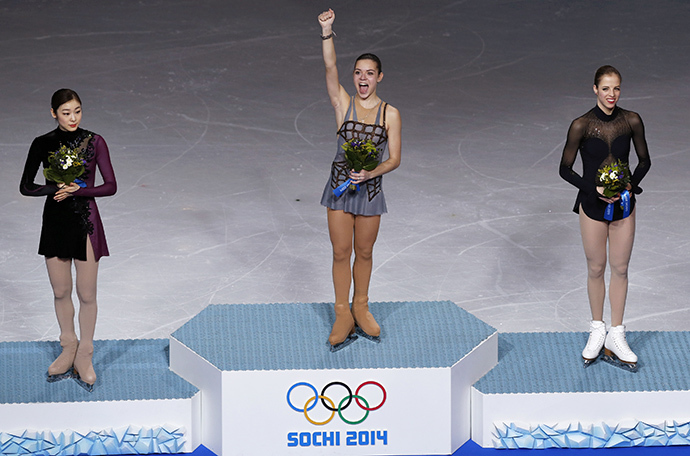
(602, 136)
(354, 217)
(72, 232)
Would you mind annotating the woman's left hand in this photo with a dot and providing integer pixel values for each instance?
(66, 191)
(359, 177)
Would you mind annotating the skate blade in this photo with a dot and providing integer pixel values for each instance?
(613, 360)
(88, 387)
(588, 362)
(339, 346)
(360, 332)
(58, 377)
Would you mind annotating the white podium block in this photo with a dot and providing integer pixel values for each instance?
(540, 396)
(137, 405)
(270, 384)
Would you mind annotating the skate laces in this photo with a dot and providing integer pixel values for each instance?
(597, 332)
(621, 342)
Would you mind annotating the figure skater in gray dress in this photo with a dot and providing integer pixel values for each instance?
(354, 216)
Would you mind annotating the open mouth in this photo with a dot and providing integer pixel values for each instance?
(363, 88)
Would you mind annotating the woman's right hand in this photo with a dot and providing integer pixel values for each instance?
(326, 20)
(65, 191)
(613, 199)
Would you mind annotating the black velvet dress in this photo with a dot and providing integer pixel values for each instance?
(66, 224)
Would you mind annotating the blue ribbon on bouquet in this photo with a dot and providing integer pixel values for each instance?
(625, 204)
(340, 189)
(80, 183)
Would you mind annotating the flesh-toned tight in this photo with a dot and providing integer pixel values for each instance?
(60, 275)
(346, 229)
(620, 235)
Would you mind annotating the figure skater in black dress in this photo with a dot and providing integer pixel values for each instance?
(354, 217)
(602, 136)
(72, 232)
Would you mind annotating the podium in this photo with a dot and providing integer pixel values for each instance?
(540, 396)
(137, 407)
(271, 385)
(261, 379)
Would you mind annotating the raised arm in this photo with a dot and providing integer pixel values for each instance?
(336, 92)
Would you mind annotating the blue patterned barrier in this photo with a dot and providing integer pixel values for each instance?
(128, 440)
(512, 436)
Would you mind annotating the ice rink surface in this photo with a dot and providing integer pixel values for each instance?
(222, 135)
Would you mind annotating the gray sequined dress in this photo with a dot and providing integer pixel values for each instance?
(369, 199)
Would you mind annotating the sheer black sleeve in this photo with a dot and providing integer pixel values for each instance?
(27, 186)
(572, 145)
(640, 143)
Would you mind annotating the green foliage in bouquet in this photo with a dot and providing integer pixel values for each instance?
(65, 165)
(614, 177)
(361, 155)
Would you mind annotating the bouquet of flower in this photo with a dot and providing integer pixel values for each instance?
(359, 155)
(65, 166)
(614, 177)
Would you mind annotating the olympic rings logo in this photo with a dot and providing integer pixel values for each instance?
(330, 405)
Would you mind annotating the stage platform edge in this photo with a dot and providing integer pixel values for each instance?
(137, 407)
(540, 396)
(260, 366)
(438, 379)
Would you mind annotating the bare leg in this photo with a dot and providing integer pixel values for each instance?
(60, 276)
(366, 231)
(621, 238)
(87, 275)
(341, 228)
(594, 236)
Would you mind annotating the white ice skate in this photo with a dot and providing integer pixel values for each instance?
(617, 351)
(597, 336)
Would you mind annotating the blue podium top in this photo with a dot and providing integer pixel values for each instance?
(552, 363)
(240, 337)
(134, 369)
